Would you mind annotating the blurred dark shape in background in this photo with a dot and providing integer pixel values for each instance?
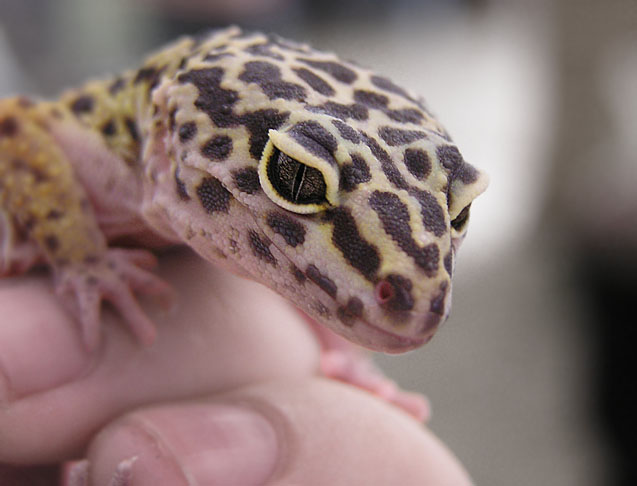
(594, 201)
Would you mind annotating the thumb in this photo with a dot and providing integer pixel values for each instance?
(310, 432)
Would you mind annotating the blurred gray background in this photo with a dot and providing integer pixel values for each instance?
(532, 379)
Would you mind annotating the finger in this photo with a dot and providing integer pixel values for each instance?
(310, 432)
(218, 339)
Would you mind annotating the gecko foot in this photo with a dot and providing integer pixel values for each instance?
(347, 362)
(358, 369)
(113, 277)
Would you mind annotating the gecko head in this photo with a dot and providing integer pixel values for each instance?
(352, 198)
(368, 225)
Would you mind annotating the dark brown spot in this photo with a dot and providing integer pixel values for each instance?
(24, 102)
(215, 56)
(131, 126)
(258, 123)
(359, 253)
(52, 243)
(432, 320)
(433, 216)
(261, 247)
(406, 115)
(448, 263)
(150, 75)
(371, 99)
(315, 82)
(213, 100)
(292, 231)
(91, 259)
(352, 310)
(263, 49)
(187, 131)
(213, 196)
(417, 162)
(325, 283)
(388, 85)
(386, 164)
(336, 70)
(451, 160)
(355, 111)
(38, 174)
(347, 132)
(298, 274)
(268, 77)
(217, 148)
(82, 104)
(396, 136)
(54, 214)
(355, 173)
(437, 305)
(116, 86)
(247, 180)
(108, 129)
(394, 216)
(8, 127)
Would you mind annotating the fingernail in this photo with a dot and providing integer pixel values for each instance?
(75, 473)
(217, 444)
(195, 444)
(39, 347)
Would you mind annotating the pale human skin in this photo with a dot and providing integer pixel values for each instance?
(228, 394)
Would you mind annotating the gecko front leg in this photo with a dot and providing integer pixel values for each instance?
(44, 203)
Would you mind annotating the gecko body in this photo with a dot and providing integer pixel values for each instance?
(321, 179)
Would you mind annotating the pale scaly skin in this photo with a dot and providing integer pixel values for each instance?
(319, 178)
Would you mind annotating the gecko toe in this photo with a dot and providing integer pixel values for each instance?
(89, 308)
(126, 303)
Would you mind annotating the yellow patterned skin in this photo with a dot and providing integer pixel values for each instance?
(321, 179)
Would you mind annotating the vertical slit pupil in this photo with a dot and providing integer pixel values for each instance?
(298, 181)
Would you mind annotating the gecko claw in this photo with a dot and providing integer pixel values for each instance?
(359, 370)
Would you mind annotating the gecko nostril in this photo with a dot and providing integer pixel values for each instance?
(384, 292)
(393, 293)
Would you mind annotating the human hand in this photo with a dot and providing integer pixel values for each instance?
(228, 394)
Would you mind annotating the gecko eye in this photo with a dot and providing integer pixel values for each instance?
(293, 185)
(461, 220)
(297, 173)
(295, 182)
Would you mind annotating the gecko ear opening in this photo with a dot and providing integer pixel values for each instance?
(296, 179)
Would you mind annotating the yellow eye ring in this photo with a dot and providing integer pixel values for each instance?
(303, 187)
